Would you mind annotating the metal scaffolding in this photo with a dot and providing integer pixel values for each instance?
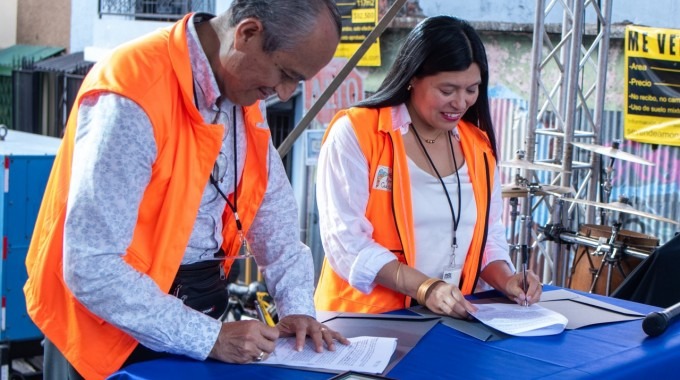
(566, 105)
(568, 66)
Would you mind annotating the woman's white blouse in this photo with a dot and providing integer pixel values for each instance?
(342, 194)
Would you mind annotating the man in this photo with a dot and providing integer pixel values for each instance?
(166, 167)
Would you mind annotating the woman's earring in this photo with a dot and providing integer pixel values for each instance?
(409, 87)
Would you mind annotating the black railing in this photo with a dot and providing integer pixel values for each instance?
(160, 10)
(43, 93)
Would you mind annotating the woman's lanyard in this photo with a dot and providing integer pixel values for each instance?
(245, 247)
(452, 272)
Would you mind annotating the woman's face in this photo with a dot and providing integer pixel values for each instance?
(440, 101)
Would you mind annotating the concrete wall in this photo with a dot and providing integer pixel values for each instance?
(509, 56)
(109, 32)
(8, 23)
(661, 13)
(506, 27)
(83, 15)
(509, 52)
(94, 33)
(44, 22)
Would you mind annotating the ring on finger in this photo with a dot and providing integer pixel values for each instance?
(260, 357)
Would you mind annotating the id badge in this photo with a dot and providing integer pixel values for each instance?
(452, 274)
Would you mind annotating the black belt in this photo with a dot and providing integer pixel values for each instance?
(202, 286)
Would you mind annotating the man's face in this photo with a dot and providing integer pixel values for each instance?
(247, 74)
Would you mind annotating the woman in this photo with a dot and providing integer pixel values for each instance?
(408, 187)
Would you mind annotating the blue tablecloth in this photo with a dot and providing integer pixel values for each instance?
(607, 351)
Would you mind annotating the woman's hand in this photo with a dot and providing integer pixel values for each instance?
(499, 275)
(514, 288)
(447, 299)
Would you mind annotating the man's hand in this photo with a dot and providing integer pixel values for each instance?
(244, 342)
(303, 325)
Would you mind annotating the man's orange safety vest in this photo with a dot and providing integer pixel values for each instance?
(155, 72)
(390, 211)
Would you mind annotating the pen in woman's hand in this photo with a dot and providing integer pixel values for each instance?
(525, 285)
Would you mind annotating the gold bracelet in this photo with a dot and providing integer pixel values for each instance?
(396, 282)
(424, 289)
(429, 288)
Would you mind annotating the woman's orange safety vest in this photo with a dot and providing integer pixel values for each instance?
(155, 72)
(390, 211)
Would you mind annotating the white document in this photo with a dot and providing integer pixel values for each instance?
(365, 354)
(521, 320)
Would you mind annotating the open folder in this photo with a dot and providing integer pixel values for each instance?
(373, 337)
(580, 311)
(367, 354)
(408, 329)
(584, 311)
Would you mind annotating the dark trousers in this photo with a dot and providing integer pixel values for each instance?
(55, 365)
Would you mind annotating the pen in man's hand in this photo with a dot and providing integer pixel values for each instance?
(264, 314)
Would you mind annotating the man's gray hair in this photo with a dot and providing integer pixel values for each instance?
(285, 22)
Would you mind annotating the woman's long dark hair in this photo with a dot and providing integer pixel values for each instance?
(437, 44)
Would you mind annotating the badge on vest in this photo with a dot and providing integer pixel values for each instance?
(383, 178)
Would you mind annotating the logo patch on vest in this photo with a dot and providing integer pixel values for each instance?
(383, 178)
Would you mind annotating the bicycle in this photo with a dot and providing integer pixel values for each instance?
(251, 301)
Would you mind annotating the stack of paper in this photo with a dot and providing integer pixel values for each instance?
(520, 320)
(366, 354)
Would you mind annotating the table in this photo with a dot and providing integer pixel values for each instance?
(609, 351)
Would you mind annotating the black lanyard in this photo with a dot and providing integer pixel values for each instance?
(454, 244)
(213, 180)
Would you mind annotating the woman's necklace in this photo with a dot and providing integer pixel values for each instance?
(429, 141)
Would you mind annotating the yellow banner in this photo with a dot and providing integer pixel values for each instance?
(652, 89)
(359, 18)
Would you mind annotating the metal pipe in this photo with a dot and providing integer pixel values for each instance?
(571, 238)
(288, 142)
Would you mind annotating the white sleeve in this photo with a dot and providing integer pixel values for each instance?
(342, 189)
(496, 242)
